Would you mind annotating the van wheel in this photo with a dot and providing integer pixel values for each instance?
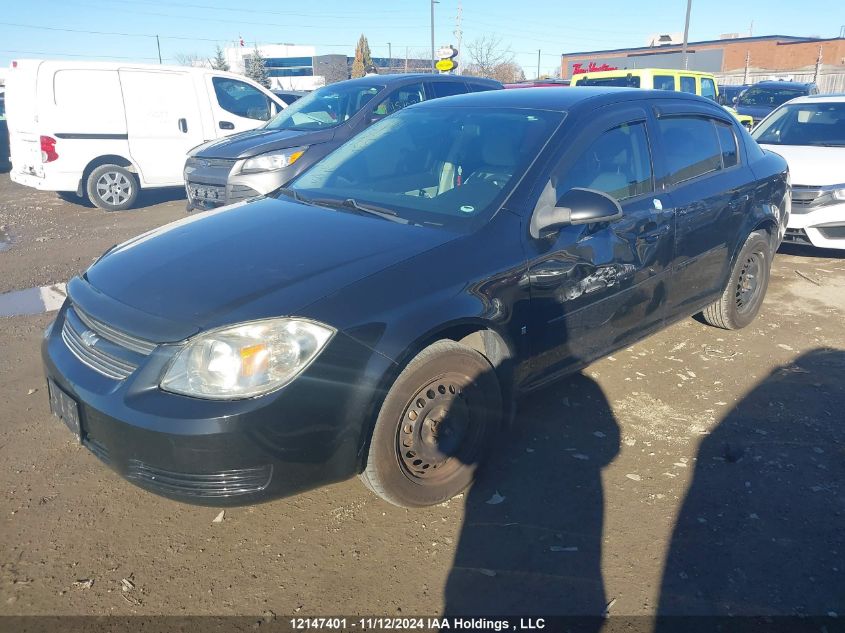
(112, 187)
(741, 300)
(434, 427)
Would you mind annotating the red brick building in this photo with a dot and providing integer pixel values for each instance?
(768, 52)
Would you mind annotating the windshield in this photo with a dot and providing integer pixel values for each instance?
(629, 81)
(804, 124)
(438, 165)
(324, 108)
(769, 97)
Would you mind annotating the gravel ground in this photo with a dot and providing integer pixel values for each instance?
(697, 472)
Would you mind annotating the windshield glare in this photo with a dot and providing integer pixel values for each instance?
(770, 97)
(324, 108)
(804, 124)
(437, 165)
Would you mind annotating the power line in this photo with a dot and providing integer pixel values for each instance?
(18, 52)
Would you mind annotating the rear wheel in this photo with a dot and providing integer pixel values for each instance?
(434, 427)
(742, 298)
(112, 187)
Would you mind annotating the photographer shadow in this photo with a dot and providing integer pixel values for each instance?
(762, 529)
(532, 532)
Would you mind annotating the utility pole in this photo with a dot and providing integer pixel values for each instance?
(818, 66)
(538, 63)
(433, 2)
(458, 32)
(747, 64)
(686, 36)
(389, 57)
(158, 45)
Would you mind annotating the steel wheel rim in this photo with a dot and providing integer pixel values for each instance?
(749, 284)
(439, 431)
(113, 187)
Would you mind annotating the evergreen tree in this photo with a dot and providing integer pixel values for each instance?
(219, 62)
(256, 69)
(363, 58)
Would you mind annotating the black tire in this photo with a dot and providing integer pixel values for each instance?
(112, 188)
(434, 428)
(741, 300)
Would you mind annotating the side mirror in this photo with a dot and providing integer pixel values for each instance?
(576, 206)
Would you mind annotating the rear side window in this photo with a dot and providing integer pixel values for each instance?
(448, 88)
(617, 163)
(708, 88)
(688, 84)
(691, 146)
(241, 99)
(401, 98)
(664, 82)
(727, 142)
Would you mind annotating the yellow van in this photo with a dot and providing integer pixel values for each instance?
(698, 83)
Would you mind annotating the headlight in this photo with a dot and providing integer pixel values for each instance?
(272, 161)
(839, 194)
(247, 360)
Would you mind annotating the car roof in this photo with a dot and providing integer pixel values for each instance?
(387, 80)
(789, 85)
(832, 98)
(642, 71)
(560, 100)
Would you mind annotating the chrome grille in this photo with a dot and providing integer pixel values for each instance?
(805, 196)
(121, 338)
(211, 163)
(226, 483)
(104, 349)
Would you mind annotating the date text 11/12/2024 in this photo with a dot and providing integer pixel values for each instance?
(415, 623)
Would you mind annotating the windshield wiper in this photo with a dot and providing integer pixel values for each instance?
(351, 203)
(292, 193)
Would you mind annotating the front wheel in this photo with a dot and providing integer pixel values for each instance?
(434, 427)
(742, 298)
(112, 187)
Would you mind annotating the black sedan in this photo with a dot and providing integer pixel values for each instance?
(381, 315)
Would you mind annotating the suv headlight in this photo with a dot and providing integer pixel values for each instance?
(246, 360)
(839, 194)
(272, 161)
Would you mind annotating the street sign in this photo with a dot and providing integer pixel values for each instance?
(445, 65)
(446, 52)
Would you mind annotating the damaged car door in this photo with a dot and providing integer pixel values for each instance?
(595, 287)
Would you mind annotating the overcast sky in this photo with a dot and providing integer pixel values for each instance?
(333, 26)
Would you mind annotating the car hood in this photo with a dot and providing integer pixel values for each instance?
(258, 259)
(254, 142)
(812, 166)
(757, 112)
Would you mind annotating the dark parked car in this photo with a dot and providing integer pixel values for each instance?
(5, 162)
(763, 97)
(729, 93)
(381, 314)
(289, 96)
(260, 161)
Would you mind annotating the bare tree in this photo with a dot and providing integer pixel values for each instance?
(484, 54)
(507, 73)
(190, 59)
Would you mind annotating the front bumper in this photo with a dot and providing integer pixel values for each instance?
(213, 182)
(822, 227)
(308, 434)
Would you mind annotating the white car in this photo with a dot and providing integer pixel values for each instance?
(809, 132)
(107, 129)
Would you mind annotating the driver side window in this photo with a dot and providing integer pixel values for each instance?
(617, 163)
(241, 99)
(401, 98)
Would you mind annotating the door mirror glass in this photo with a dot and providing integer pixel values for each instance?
(576, 206)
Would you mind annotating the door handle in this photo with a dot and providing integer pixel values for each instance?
(226, 125)
(183, 125)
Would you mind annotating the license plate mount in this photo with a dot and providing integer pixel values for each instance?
(64, 407)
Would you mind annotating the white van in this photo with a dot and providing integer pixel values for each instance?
(105, 129)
